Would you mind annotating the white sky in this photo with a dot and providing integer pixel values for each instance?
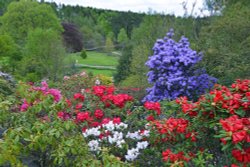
(166, 6)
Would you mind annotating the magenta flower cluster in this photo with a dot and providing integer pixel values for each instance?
(173, 73)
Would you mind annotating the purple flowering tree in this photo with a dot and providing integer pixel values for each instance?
(172, 71)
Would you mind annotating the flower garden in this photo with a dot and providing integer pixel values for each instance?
(81, 122)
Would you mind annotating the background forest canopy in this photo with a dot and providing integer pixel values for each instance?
(37, 39)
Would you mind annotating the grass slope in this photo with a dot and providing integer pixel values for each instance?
(95, 59)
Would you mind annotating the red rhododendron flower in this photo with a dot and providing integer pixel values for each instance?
(94, 124)
(242, 156)
(98, 114)
(84, 129)
(105, 120)
(172, 157)
(150, 118)
(78, 106)
(98, 90)
(60, 114)
(82, 116)
(117, 120)
(110, 90)
(79, 96)
(187, 107)
(223, 141)
(232, 123)
(218, 96)
(239, 136)
(68, 102)
(153, 106)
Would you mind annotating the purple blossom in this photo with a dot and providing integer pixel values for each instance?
(172, 71)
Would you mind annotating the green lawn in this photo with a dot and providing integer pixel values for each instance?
(96, 72)
(95, 58)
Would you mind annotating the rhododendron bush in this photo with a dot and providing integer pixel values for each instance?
(172, 71)
(99, 127)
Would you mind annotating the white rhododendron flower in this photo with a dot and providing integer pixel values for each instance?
(132, 154)
(92, 131)
(109, 126)
(142, 145)
(122, 126)
(94, 145)
(115, 135)
(135, 135)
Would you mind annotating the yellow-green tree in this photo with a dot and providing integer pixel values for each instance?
(44, 55)
(109, 45)
(26, 15)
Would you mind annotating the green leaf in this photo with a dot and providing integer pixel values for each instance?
(226, 146)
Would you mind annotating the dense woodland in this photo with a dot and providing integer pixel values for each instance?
(223, 38)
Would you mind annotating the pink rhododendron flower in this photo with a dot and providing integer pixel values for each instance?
(24, 106)
(55, 93)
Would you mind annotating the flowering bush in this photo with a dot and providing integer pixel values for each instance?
(113, 129)
(172, 71)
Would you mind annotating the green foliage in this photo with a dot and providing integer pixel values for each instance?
(123, 68)
(109, 46)
(44, 55)
(143, 38)
(83, 54)
(26, 15)
(8, 53)
(7, 85)
(3, 5)
(226, 44)
(122, 36)
(5, 88)
(105, 23)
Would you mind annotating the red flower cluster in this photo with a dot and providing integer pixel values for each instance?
(102, 90)
(172, 127)
(186, 106)
(232, 100)
(168, 155)
(241, 85)
(155, 106)
(98, 114)
(82, 116)
(118, 100)
(238, 128)
(242, 156)
(79, 96)
(107, 97)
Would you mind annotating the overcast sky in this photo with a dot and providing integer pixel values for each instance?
(166, 6)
